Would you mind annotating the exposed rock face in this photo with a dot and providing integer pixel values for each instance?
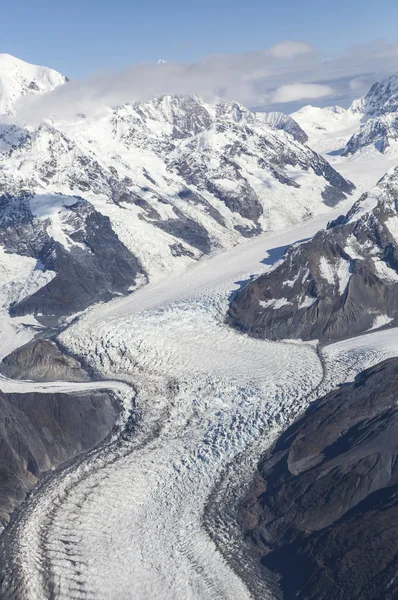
(323, 509)
(380, 117)
(40, 360)
(342, 282)
(87, 260)
(41, 431)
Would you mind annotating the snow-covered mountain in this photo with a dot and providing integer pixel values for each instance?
(328, 128)
(342, 282)
(107, 202)
(19, 78)
(369, 123)
(95, 207)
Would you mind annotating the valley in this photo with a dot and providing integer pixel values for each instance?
(198, 407)
(188, 277)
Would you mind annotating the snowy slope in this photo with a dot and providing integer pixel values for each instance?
(361, 141)
(328, 128)
(19, 78)
(164, 182)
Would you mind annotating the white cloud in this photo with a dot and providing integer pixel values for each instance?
(289, 48)
(290, 71)
(292, 92)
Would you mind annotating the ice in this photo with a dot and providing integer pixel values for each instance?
(126, 521)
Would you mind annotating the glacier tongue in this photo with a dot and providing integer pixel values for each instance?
(126, 521)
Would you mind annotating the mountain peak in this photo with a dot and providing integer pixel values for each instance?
(19, 78)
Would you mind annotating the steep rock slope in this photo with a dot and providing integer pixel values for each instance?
(73, 245)
(342, 282)
(322, 511)
(41, 360)
(39, 431)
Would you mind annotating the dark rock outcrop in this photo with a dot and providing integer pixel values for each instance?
(323, 509)
(40, 360)
(342, 282)
(95, 267)
(40, 431)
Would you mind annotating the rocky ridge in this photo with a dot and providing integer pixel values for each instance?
(342, 282)
(105, 203)
(322, 509)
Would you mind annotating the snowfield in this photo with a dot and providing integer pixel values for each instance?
(126, 521)
(329, 129)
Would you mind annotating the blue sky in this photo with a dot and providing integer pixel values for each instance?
(77, 37)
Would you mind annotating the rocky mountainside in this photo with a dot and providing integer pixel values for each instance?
(41, 360)
(39, 431)
(322, 510)
(101, 204)
(342, 282)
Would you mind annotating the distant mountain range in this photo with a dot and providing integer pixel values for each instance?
(141, 191)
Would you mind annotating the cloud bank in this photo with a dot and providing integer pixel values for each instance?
(292, 92)
(274, 78)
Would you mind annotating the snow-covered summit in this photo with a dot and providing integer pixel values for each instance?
(381, 99)
(328, 128)
(172, 179)
(19, 78)
(370, 123)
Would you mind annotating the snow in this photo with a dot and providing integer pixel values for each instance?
(392, 226)
(380, 321)
(306, 302)
(133, 149)
(20, 276)
(345, 359)
(132, 511)
(343, 274)
(326, 270)
(274, 303)
(18, 78)
(50, 207)
(339, 273)
(364, 168)
(384, 271)
(329, 129)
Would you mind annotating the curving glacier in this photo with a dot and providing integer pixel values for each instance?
(126, 520)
